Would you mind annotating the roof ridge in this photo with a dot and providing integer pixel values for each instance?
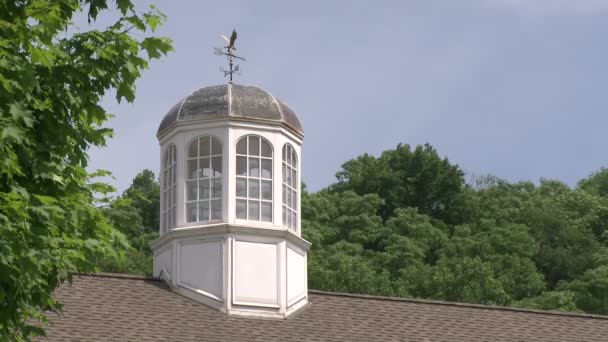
(459, 304)
(275, 100)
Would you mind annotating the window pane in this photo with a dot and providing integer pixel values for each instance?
(241, 187)
(254, 167)
(266, 168)
(266, 211)
(241, 166)
(254, 146)
(192, 169)
(203, 211)
(216, 188)
(216, 146)
(288, 218)
(241, 209)
(241, 146)
(173, 175)
(193, 149)
(266, 149)
(216, 209)
(284, 173)
(284, 152)
(288, 155)
(267, 190)
(173, 218)
(294, 200)
(254, 210)
(288, 174)
(294, 178)
(254, 188)
(284, 194)
(204, 147)
(192, 188)
(294, 159)
(289, 198)
(191, 212)
(205, 167)
(294, 222)
(203, 189)
(216, 166)
(284, 216)
(172, 197)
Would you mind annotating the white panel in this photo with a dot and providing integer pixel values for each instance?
(296, 277)
(255, 273)
(201, 267)
(164, 262)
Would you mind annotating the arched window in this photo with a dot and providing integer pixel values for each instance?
(169, 177)
(290, 187)
(254, 179)
(204, 180)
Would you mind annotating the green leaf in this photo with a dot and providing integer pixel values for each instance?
(21, 114)
(124, 6)
(42, 56)
(136, 22)
(11, 133)
(155, 47)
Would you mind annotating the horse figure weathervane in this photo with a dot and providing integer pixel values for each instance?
(229, 53)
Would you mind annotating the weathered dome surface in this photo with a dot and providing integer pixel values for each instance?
(231, 100)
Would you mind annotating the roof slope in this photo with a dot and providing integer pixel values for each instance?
(117, 308)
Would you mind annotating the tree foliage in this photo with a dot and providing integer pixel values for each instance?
(52, 78)
(405, 224)
(135, 214)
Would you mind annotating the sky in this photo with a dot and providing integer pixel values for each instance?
(512, 88)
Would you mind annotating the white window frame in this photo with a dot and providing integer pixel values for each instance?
(289, 167)
(169, 188)
(248, 199)
(212, 179)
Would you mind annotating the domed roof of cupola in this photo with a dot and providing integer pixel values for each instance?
(231, 101)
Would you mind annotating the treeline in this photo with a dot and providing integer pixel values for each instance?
(407, 224)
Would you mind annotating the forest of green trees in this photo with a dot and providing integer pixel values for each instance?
(407, 224)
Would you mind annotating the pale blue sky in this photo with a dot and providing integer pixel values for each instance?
(514, 88)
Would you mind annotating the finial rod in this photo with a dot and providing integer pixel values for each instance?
(228, 51)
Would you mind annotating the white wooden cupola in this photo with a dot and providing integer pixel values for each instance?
(230, 233)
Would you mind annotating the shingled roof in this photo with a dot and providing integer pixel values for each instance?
(108, 307)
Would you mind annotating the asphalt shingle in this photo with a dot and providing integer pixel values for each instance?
(124, 308)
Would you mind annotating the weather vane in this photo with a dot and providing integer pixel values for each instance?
(228, 51)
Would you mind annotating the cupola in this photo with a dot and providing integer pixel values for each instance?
(230, 233)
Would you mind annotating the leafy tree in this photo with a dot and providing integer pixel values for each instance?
(467, 279)
(591, 290)
(550, 300)
(52, 79)
(127, 214)
(403, 178)
(144, 193)
(343, 267)
(596, 183)
(404, 224)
